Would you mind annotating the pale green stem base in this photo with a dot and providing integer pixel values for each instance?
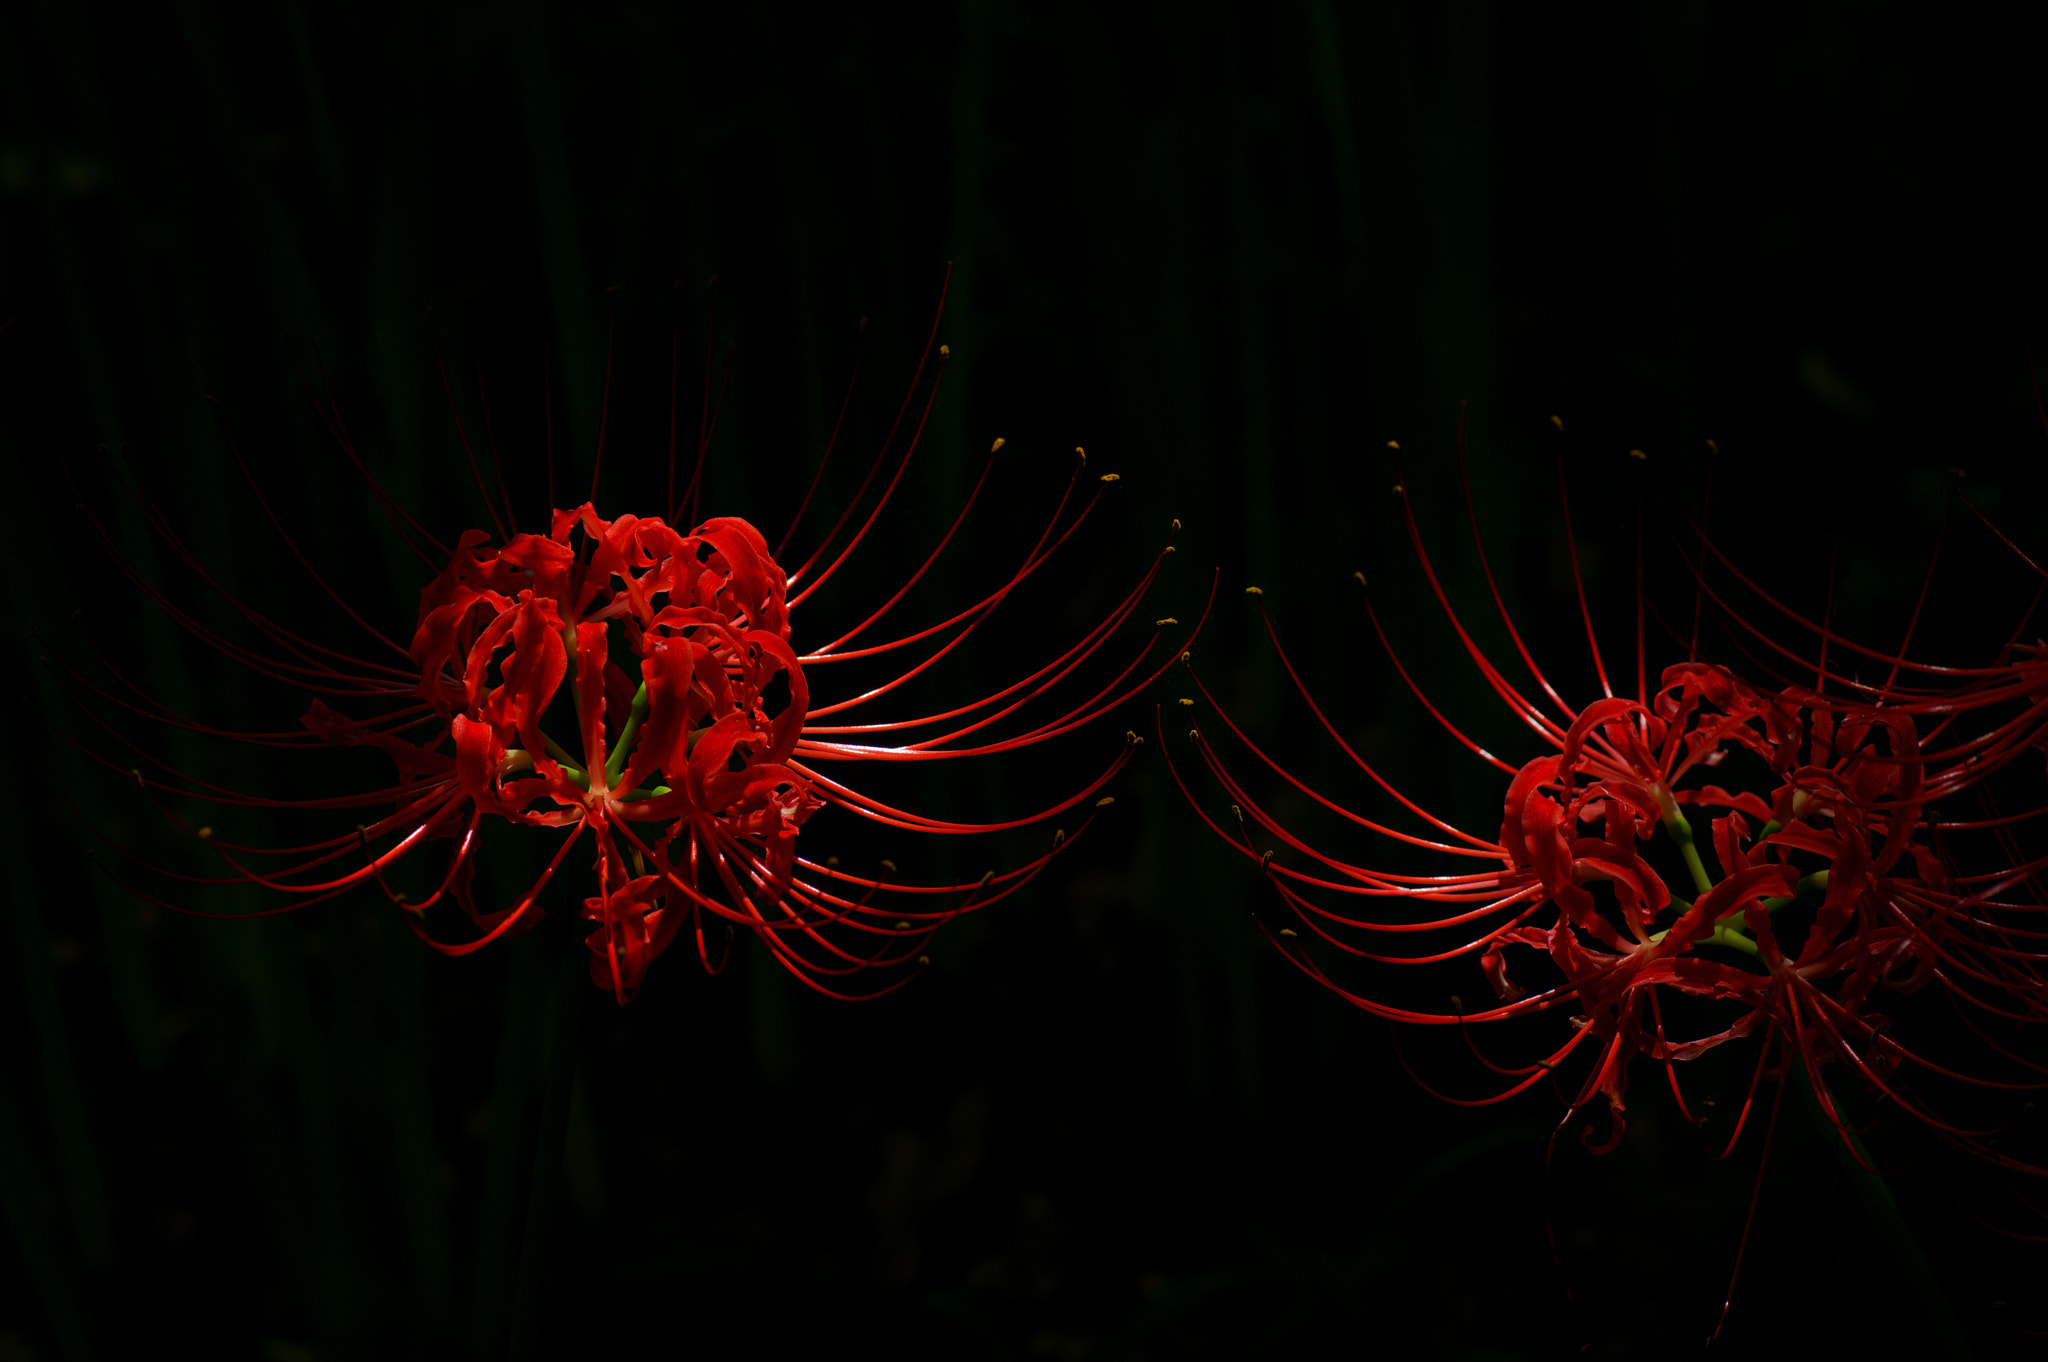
(530, 1285)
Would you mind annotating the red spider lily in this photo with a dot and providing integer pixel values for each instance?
(1825, 887)
(687, 740)
(1962, 753)
(1983, 717)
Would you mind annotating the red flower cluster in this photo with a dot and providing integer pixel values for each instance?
(1825, 883)
(684, 740)
(702, 744)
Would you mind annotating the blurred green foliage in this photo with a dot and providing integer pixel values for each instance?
(1232, 250)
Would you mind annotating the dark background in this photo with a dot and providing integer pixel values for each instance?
(1233, 251)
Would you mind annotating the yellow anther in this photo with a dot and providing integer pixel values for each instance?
(206, 834)
(1557, 421)
(1457, 1005)
(1109, 477)
(1131, 738)
(903, 926)
(1083, 453)
(1360, 576)
(831, 860)
(1186, 658)
(1287, 931)
(1161, 624)
(1713, 448)
(1399, 490)
(997, 445)
(1393, 444)
(140, 783)
(944, 351)
(1176, 527)
(889, 866)
(1105, 801)
(1058, 835)
(986, 876)
(1638, 454)
(1237, 813)
(1186, 701)
(1167, 549)
(1266, 860)
(1253, 591)
(1194, 735)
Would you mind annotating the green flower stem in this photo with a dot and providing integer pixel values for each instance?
(1722, 935)
(1817, 880)
(1883, 1211)
(575, 690)
(567, 762)
(615, 766)
(558, 1079)
(527, 988)
(1681, 833)
(1727, 931)
(1729, 936)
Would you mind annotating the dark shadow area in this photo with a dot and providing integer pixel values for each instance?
(1785, 252)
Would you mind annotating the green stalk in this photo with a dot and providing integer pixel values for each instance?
(1723, 934)
(1681, 833)
(1816, 881)
(497, 1222)
(1883, 1211)
(1730, 936)
(615, 765)
(1728, 930)
(529, 1287)
(570, 767)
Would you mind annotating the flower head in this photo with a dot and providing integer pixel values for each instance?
(1819, 886)
(641, 684)
(699, 747)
